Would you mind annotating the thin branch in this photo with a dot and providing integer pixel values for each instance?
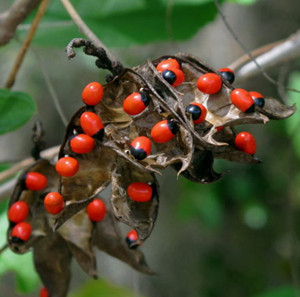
(286, 50)
(51, 90)
(84, 29)
(46, 154)
(28, 39)
(10, 19)
(253, 59)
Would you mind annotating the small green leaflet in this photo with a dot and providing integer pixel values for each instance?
(16, 108)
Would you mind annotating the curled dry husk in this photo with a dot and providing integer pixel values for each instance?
(191, 153)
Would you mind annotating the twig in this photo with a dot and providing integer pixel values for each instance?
(51, 90)
(285, 50)
(257, 65)
(84, 29)
(3, 248)
(10, 19)
(47, 154)
(28, 39)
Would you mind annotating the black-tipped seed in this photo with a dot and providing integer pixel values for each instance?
(131, 238)
(227, 74)
(145, 97)
(140, 147)
(258, 98)
(194, 110)
(169, 76)
(139, 154)
(173, 126)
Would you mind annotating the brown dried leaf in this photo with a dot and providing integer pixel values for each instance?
(141, 216)
(77, 232)
(108, 238)
(52, 260)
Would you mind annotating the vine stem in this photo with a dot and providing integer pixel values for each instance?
(84, 29)
(14, 71)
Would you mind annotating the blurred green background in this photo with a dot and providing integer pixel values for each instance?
(238, 237)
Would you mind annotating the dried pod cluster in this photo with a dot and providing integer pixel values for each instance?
(173, 111)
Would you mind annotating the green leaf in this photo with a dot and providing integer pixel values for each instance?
(21, 265)
(243, 2)
(16, 109)
(120, 23)
(293, 122)
(280, 292)
(101, 288)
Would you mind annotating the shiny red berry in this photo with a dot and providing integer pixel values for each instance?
(67, 166)
(131, 238)
(173, 76)
(44, 292)
(139, 192)
(167, 64)
(209, 83)
(18, 212)
(258, 98)
(242, 100)
(22, 231)
(140, 147)
(92, 94)
(54, 203)
(96, 210)
(164, 131)
(91, 124)
(82, 144)
(227, 74)
(35, 181)
(198, 112)
(245, 142)
(136, 103)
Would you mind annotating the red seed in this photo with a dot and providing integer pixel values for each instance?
(92, 94)
(209, 83)
(96, 210)
(44, 292)
(140, 192)
(245, 142)
(163, 131)
(35, 181)
(90, 123)
(140, 147)
(167, 64)
(136, 103)
(227, 74)
(173, 76)
(18, 212)
(22, 231)
(242, 100)
(198, 112)
(67, 166)
(82, 144)
(132, 236)
(54, 203)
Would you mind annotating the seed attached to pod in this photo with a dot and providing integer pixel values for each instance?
(96, 210)
(241, 99)
(258, 98)
(92, 94)
(21, 231)
(227, 74)
(54, 203)
(131, 238)
(167, 64)
(67, 166)
(91, 124)
(164, 131)
(136, 103)
(44, 292)
(35, 181)
(18, 212)
(173, 76)
(209, 83)
(82, 144)
(140, 147)
(197, 111)
(245, 142)
(140, 192)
